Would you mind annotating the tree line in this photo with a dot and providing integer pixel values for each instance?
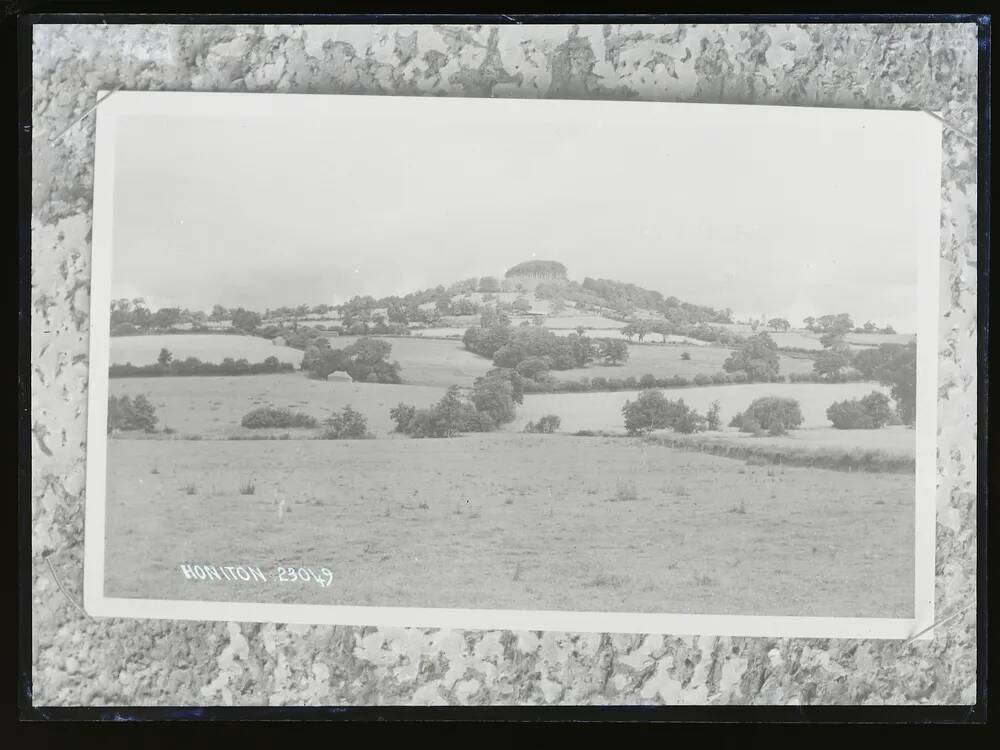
(166, 365)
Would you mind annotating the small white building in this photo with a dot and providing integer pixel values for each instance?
(339, 376)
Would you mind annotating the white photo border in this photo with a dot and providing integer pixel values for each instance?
(114, 105)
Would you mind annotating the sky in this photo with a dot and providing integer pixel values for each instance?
(769, 211)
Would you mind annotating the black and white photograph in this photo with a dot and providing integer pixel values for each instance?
(615, 366)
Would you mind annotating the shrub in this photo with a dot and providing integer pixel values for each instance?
(869, 413)
(702, 379)
(347, 425)
(547, 424)
(685, 356)
(773, 414)
(270, 417)
(125, 413)
(625, 492)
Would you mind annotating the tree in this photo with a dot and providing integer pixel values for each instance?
(830, 362)
(652, 411)
(489, 284)
(125, 413)
(663, 328)
(521, 305)
(869, 413)
(533, 367)
(366, 360)
(778, 324)
(757, 358)
(165, 357)
(346, 425)
(245, 320)
(773, 414)
(712, 419)
(809, 323)
(613, 351)
(166, 317)
(641, 329)
(495, 395)
(492, 316)
(397, 313)
(900, 374)
(403, 415)
(869, 360)
(629, 331)
(580, 330)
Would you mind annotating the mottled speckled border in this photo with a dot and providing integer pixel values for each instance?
(81, 661)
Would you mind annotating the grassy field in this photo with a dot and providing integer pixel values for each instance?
(664, 360)
(441, 362)
(874, 339)
(602, 411)
(143, 350)
(510, 521)
(214, 406)
(897, 439)
(430, 361)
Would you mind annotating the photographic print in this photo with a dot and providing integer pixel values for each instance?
(584, 365)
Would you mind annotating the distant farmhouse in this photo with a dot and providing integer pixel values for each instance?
(531, 273)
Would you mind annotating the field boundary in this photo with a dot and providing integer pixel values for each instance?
(837, 459)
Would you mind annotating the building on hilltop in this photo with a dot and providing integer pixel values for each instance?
(531, 273)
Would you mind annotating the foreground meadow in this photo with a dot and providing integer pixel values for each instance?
(509, 521)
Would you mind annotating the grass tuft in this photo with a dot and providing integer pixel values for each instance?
(625, 492)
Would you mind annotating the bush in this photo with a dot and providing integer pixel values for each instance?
(347, 425)
(685, 356)
(546, 425)
(869, 413)
(270, 417)
(772, 414)
(124, 413)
